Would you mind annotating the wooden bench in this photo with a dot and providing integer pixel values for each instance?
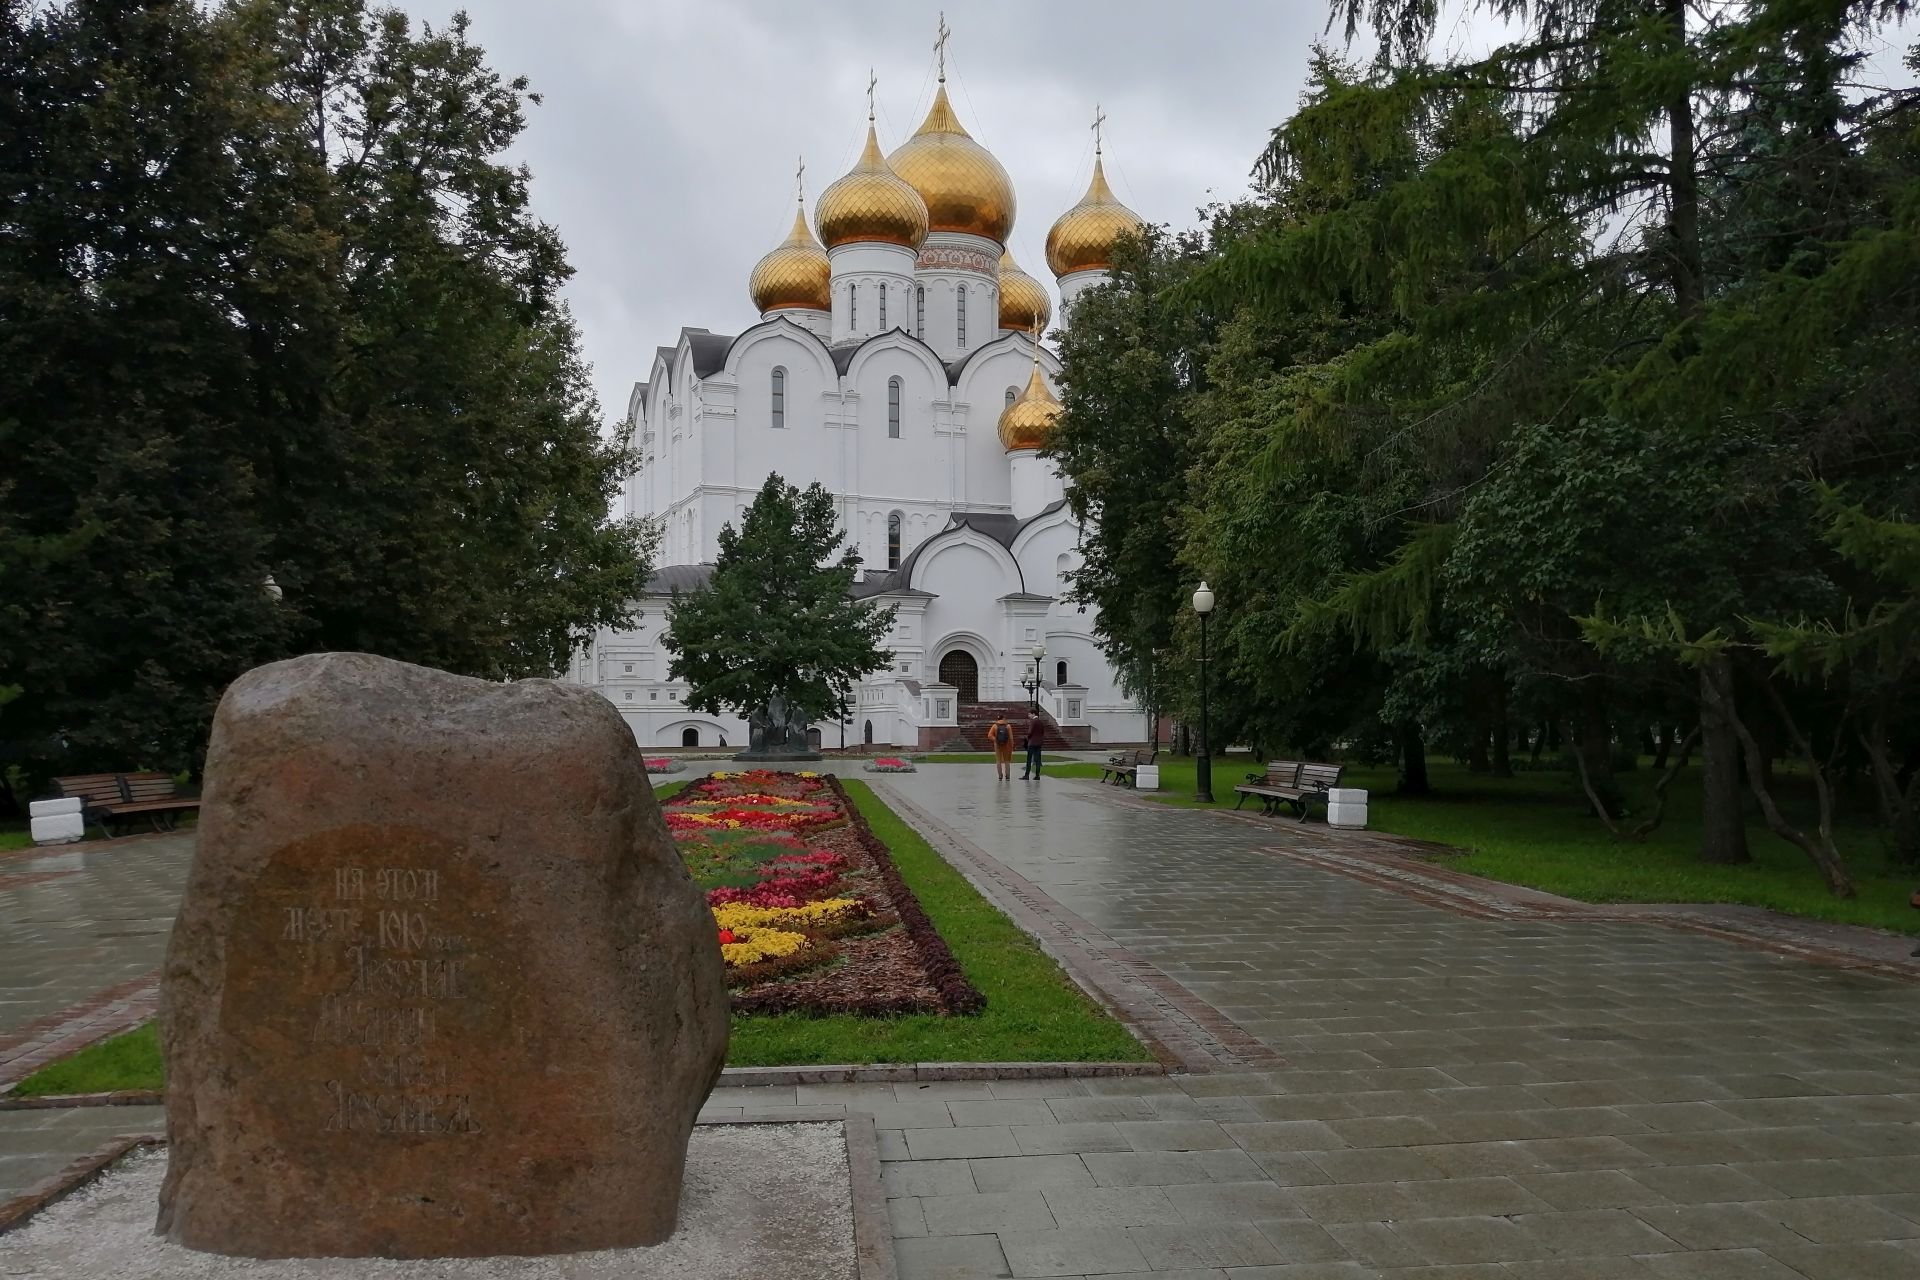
(115, 799)
(1289, 782)
(1123, 769)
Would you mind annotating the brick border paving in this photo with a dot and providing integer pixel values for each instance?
(1179, 1028)
(48, 1039)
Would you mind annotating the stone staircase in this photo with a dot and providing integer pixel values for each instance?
(976, 717)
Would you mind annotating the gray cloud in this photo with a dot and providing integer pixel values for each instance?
(665, 146)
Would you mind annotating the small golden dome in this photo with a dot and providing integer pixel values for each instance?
(1024, 305)
(794, 275)
(1083, 238)
(1028, 421)
(964, 186)
(871, 204)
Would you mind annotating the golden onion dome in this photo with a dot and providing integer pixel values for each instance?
(964, 186)
(794, 275)
(1028, 421)
(1024, 305)
(871, 204)
(1083, 238)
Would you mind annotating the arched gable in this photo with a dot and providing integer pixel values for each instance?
(784, 335)
(982, 379)
(896, 340)
(961, 541)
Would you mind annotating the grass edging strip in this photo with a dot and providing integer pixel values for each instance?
(737, 1078)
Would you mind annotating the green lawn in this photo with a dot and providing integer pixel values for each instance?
(1534, 829)
(14, 834)
(127, 1061)
(1034, 1012)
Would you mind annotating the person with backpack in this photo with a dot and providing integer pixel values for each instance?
(1000, 734)
(1036, 739)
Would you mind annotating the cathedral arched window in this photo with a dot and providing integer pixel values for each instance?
(960, 322)
(779, 397)
(920, 311)
(853, 306)
(893, 408)
(883, 308)
(1011, 397)
(893, 540)
(1060, 673)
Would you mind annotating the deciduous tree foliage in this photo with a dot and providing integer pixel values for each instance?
(274, 306)
(778, 617)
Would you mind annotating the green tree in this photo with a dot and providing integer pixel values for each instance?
(778, 618)
(272, 304)
(132, 545)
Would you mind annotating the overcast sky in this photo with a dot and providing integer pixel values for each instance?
(664, 150)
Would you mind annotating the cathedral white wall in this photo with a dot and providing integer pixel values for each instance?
(950, 262)
(982, 395)
(1077, 283)
(860, 272)
(969, 574)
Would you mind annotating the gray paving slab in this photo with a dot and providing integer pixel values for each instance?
(1456, 1097)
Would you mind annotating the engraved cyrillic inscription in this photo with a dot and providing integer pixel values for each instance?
(397, 974)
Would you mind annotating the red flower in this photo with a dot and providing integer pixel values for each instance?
(726, 936)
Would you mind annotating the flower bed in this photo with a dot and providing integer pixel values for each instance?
(810, 913)
(665, 764)
(889, 764)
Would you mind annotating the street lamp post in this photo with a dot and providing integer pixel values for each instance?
(1033, 685)
(1203, 767)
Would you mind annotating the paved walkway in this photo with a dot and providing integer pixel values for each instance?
(1396, 1085)
(1461, 1096)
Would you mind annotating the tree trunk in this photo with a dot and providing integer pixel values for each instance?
(1595, 747)
(1502, 743)
(1477, 754)
(1825, 857)
(1723, 817)
(1663, 748)
(1413, 761)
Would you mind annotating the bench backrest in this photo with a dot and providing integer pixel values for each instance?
(1281, 773)
(1323, 776)
(1143, 756)
(93, 788)
(149, 786)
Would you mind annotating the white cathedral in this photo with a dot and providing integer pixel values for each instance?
(896, 362)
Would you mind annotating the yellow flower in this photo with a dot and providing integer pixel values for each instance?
(738, 915)
(755, 945)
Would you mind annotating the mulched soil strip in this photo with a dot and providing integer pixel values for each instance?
(906, 970)
(20, 1208)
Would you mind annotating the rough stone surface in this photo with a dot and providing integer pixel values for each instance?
(440, 985)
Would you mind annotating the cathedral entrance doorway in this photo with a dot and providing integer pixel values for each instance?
(963, 673)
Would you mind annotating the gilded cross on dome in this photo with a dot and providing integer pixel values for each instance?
(1099, 118)
(872, 80)
(940, 46)
(800, 180)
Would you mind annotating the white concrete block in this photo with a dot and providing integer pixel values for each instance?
(1351, 816)
(1147, 777)
(58, 828)
(1347, 795)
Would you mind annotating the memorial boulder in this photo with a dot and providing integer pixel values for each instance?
(440, 985)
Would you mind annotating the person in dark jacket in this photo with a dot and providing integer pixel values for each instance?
(1036, 736)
